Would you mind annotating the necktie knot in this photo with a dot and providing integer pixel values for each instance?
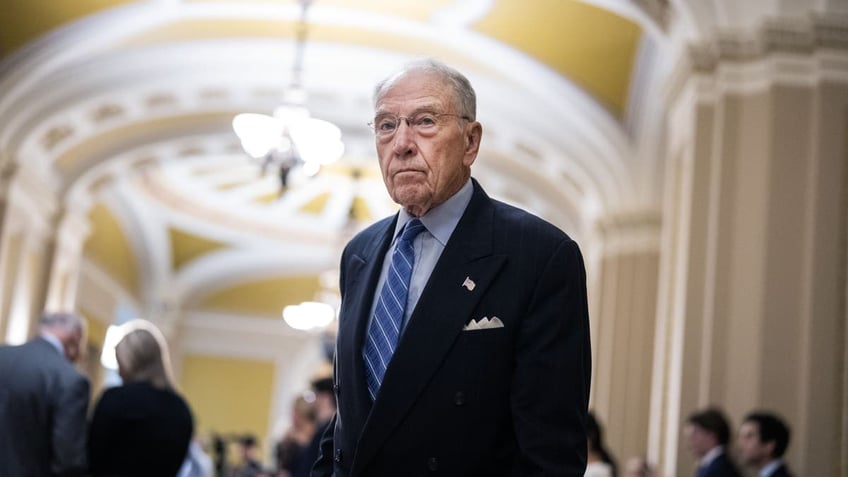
(411, 230)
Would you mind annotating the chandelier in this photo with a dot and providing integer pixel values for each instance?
(290, 137)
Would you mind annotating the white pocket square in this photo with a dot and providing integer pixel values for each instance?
(484, 323)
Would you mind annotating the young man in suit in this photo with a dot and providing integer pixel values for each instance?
(707, 434)
(762, 441)
(43, 402)
(463, 344)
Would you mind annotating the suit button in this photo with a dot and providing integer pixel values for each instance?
(459, 398)
(338, 457)
(433, 464)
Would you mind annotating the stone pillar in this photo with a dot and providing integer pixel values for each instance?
(622, 328)
(64, 270)
(7, 249)
(752, 301)
(28, 207)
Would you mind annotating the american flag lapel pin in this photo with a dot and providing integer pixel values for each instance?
(469, 283)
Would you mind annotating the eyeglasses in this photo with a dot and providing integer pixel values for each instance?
(424, 123)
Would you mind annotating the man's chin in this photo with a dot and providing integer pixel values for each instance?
(411, 198)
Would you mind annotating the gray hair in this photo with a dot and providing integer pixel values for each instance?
(61, 320)
(464, 92)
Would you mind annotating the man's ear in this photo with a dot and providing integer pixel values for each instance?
(769, 446)
(473, 134)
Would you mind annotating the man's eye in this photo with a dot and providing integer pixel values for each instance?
(386, 125)
(425, 120)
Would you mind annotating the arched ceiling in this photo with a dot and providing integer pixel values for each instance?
(126, 107)
(569, 36)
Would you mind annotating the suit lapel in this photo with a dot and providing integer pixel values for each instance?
(361, 279)
(443, 309)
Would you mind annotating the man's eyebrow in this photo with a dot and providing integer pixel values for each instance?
(425, 109)
(431, 108)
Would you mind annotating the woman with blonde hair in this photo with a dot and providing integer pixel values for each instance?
(143, 427)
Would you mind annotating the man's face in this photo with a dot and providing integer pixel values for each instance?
(422, 171)
(698, 440)
(72, 341)
(752, 452)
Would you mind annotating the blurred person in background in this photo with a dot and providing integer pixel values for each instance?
(707, 434)
(43, 402)
(143, 427)
(761, 442)
(197, 462)
(600, 461)
(292, 452)
(250, 464)
(639, 467)
(324, 406)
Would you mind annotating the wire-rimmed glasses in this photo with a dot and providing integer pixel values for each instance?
(425, 123)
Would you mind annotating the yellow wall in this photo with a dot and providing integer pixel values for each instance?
(109, 247)
(228, 395)
(263, 297)
(96, 329)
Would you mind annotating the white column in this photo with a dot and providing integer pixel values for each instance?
(752, 304)
(28, 211)
(622, 328)
(73, 228)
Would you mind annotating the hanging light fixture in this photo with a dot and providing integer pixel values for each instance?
(290, 137)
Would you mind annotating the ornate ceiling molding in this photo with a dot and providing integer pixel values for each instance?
(791, 35)
(786, 50)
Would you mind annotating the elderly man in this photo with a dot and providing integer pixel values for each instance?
(43, 402)
(463, 344)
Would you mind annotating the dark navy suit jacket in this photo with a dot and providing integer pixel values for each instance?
(721, 466)
(782, 471)
(507, 401)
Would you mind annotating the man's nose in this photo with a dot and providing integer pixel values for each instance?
(404, 144)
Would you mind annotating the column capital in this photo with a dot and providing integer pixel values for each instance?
(785, 49)
(31, 200)
(798, 35)
(630, 231)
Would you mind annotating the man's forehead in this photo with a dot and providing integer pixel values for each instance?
(426, 82)
(749, 428)
(410, 109)
(414, 75)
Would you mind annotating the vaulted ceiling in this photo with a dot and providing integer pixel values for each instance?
(125, 107)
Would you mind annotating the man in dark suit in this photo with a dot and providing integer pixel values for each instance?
(707, 434)
(43, 403)
(463, 343)
(762, 441)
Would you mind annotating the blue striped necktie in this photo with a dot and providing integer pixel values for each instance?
(383, 332)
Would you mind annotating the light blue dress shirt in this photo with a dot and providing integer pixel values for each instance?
(770, 468)
(440, 221)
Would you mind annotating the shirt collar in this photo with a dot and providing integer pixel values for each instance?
(711, 456)
(770, 468)
(441, 219)
(53, 340)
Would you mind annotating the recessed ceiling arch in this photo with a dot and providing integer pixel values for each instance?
(133, 82)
